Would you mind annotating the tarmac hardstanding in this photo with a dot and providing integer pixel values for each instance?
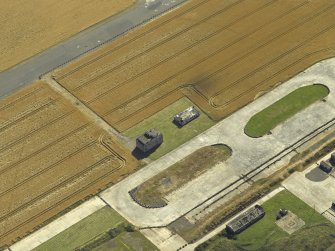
(248, 153)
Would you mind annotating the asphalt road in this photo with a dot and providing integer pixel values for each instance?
(29, 70)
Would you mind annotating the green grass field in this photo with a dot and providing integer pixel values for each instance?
(173, 136)
(317, 234)
(267, 119)
(83, 231)
(133, 241)
(92, 228)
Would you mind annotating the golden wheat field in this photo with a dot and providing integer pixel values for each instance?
(51, 156)
(28, 27)
(220, 54)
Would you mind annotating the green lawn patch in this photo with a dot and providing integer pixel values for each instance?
(83, 231)
(152, 191)
(266, 235)
(267, 119)
(128, 241)
(173, 136)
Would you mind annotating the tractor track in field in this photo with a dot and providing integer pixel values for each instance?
(216, 106)
(72, 178)
(132, 40)
(34, 92)
(178, 54)
(113, 154)
(31, 133)
(201, 61)
(170, 38)
(13, 165)
(230, 86)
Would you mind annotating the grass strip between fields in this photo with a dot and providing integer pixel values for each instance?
(83, 231)
(263, 122)
(103, 230)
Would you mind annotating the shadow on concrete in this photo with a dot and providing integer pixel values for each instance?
(316, 175)
(176, 124)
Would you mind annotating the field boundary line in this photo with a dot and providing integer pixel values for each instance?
(111, 39)
(274, 75)
(273, 61)
(131, 40)
(154, 87)
(176, 55)
(188, 68)
(168, 39)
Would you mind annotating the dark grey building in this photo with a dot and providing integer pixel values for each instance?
(244, 220)
(326, 167)
(186, 116)
(332, 159)
(149, 140)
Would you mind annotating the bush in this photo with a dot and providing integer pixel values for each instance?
(114, 232)
(129, 228)
(291, 170)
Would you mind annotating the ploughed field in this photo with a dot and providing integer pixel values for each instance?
(51, 156)
(32, 26)
(220, 54)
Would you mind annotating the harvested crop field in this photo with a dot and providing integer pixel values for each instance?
(32, 26)
(220, 54)
(51, 156)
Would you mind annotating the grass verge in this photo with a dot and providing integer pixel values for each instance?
(193, 232)
(152, 191)
(83, 231)
(267, 119)
(127, 241)
(102, 230)
(266, 235)
(173, 136)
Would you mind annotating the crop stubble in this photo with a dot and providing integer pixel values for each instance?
(220, 54)
(51, 157)
(32, 26)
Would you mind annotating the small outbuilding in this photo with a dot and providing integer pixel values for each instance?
(333, 206)
(186, 116)
(244, 220)
(282, 212)
(149, 140)
(326, 167)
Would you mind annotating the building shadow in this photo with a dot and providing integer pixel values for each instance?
(139, 155)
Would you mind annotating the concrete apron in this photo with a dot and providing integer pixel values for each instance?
(248, 153)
